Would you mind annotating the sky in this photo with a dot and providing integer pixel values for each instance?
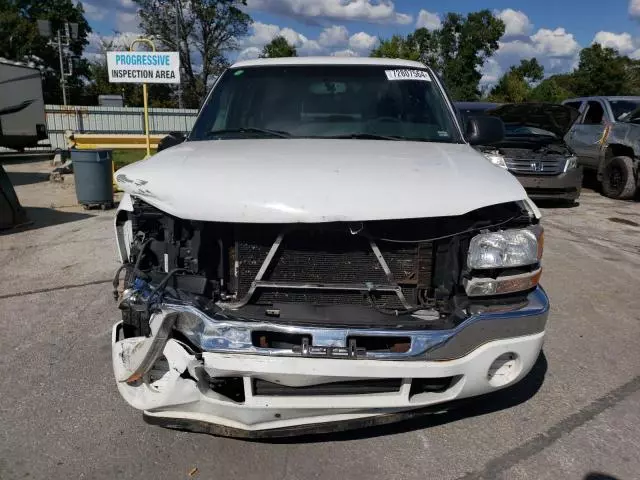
(553, 31)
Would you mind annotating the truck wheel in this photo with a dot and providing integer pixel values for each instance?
(618, 179)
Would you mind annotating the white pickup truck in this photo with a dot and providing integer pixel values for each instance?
(325, 250)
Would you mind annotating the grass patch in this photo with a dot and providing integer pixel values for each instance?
(125, 157)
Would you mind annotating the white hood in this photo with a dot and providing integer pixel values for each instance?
(309, 181)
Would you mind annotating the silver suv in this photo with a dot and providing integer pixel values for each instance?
(606, 139)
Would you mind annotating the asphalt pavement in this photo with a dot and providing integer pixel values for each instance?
(577, 416)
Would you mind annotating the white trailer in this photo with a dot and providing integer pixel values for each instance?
(22, 113)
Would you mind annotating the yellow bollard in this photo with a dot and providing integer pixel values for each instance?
(113, 177)
(146, 118)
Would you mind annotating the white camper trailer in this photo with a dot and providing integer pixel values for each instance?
(22, 113)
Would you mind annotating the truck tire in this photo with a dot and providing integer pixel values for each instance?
(618, 179)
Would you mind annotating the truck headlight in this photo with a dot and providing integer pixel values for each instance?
(500, 251)
(504, 249)
(570, 163)
(496, 159)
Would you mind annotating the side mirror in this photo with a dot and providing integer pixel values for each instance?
(484, 130)
(171, 140)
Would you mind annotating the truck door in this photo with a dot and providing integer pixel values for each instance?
(586, 134)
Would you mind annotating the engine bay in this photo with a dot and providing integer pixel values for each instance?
(364, 274)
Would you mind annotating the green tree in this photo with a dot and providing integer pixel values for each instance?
(20, 41)
(601, 71)
(530, 70)
(278, 47)
(397, 47)
(457, 50)
(206, 31)
(17, 33)
(566, 81)
(511, 88)
(632, 77)
(515, 85)
(554, 89)
(464, 44)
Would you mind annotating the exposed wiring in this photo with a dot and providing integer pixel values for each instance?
(393, 312)
(163, 283)
(166, 279)
(143, 247)
(473, 229)
(135, 268)
(116, 278)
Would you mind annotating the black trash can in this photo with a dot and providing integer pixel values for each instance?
(93, 172)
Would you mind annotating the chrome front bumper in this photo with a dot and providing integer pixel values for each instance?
(182, 395)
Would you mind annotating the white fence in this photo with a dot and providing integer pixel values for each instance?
(113, 120)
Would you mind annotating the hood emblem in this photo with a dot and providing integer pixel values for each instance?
(356, 228)
(537, 166)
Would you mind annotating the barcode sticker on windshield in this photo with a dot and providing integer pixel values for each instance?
(408, 74)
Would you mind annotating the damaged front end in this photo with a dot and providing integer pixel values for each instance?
(253, 328)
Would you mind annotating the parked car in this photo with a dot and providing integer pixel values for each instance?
(606, 139)
(533, 148)
(325, 250)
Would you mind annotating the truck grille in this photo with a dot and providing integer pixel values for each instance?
(528, 162)
(323, 254)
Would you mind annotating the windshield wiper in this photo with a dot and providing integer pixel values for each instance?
(367, 136)
(264, 131)
(374, 136)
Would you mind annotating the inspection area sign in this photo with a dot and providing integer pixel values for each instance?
(143, 67)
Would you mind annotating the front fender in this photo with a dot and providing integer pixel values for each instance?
(123, 227)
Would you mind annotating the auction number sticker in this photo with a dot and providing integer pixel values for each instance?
(408, 74)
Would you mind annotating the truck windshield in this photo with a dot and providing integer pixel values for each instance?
(622, 108)
(320, 101)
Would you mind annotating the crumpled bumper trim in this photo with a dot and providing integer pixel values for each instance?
(226, 334)
(377, 420)
(191, 402)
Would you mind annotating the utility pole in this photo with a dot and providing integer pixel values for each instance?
(178, 45)
(63, 81)
(70, 33)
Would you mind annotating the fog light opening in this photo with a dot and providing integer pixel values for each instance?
(504, 369)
